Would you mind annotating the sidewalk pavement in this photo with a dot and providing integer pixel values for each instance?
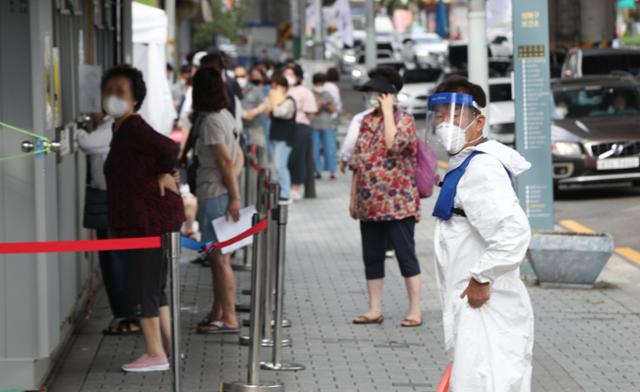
(586, 340)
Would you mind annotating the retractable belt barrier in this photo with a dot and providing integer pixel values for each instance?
(171, 243)
(267, 292)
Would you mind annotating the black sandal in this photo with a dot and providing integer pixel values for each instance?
(208, 327)
(123, 328)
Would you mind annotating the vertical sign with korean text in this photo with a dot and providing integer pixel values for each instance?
(533, 100)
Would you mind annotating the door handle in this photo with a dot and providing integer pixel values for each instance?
(28, 146)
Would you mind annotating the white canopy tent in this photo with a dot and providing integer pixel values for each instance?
(149, 25)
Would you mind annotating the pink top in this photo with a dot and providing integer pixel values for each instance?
(305, 103)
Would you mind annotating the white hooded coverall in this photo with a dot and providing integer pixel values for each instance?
(491, 346)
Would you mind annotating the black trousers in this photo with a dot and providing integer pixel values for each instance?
(147, 271)
(376, 238)
(114, 276)
(298, 160)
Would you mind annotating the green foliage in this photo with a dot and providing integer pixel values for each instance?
(633, 40)
(153, 3)
(225, 23)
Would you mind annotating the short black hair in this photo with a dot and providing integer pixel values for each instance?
(333, 75)
(319, 78)
(387, 74)
(209, 91)
(138, 87)
(279, 80)
(185, 69)
(460, 84)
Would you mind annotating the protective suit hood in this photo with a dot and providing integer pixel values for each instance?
(515, 163)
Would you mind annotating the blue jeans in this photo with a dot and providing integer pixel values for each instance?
(324, 139)
(281, 151)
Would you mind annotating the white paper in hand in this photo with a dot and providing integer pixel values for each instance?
(226, 229)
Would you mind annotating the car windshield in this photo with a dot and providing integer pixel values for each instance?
(596, 101)
(500, 92)
(429, 75)
(603, 65)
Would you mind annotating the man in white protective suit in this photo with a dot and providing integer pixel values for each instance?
(481, 238)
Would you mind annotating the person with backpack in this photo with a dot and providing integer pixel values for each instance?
(481, 237)
(385, 198)
(220, 162)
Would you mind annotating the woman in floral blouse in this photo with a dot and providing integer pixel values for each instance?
(384, 194)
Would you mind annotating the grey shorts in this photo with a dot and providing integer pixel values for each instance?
(208, 210)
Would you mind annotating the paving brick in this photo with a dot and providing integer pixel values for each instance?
(585, 340)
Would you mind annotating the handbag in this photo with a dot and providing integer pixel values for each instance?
(426, 166)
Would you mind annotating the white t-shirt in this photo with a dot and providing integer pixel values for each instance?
(349, 143)
(96, 145)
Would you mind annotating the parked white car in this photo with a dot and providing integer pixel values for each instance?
(426, 49)
(418, 85)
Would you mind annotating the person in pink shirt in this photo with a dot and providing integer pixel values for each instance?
(307, 108)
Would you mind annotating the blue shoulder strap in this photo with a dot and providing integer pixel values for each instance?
(445, 203)
(446, 200)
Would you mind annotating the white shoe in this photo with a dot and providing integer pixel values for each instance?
(296, 195)
(389, 254)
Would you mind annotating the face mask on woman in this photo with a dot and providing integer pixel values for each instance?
(291, 80)
(242, 82)
(372, 100)
(452, 137)
(115, 107)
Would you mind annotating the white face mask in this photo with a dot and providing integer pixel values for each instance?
(115, 107)
(242, 82)
(372, 100)
(291, 80)
(452, 137)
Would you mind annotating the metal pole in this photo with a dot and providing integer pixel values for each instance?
(276, 360)
(370, 44)
(269, 199)
(172, 253)
(258, 246)
(319, 31)
(302, 12)
(249, 199)
(170, 9)
(253, 369)
(478, 58)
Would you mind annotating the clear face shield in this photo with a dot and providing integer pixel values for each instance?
(449, 116)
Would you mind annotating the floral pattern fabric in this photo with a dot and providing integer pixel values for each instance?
(385, 186)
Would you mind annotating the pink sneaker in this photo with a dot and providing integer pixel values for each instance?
(147, 364)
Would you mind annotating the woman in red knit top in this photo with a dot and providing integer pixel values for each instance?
(142, 200)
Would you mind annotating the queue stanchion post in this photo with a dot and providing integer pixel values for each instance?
(249, 199)
(253, 370)
(260, 203)
(258, 245)
(276, 358)
(270, 274)
(172, 250)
